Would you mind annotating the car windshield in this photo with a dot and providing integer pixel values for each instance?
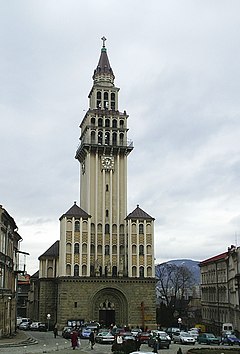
(210, 336)
(183, 334)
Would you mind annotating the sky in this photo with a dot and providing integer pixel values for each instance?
(177, 65)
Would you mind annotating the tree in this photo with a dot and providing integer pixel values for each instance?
(173, 285)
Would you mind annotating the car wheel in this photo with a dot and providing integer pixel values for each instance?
(167, 346)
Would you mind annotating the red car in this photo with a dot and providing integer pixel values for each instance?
(144, 337)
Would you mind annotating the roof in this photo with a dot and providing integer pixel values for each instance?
(76, 211)
(103, 66)
(213, 259)
(138, 213)
(52, 251)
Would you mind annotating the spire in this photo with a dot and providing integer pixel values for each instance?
(103, 72)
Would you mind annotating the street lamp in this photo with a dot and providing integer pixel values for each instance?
(48, 319)
(179, 323)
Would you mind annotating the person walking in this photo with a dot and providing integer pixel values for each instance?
(55, 331)
(92, 339)
(74, 339)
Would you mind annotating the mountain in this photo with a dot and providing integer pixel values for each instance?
(193, 266)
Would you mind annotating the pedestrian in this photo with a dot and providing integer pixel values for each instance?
(155, 346)
(55, 331)
(74, 339)
(179, 351)
(92, 339)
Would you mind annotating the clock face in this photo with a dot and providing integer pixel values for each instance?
(108, 162)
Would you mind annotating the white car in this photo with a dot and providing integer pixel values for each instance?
(183, 338)
(34, 326)
(194, 334)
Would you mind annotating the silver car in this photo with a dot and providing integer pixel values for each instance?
(183, 338)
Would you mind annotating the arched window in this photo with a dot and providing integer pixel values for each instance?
(93, 137)
(107, 138)
(69, 225)
(99, 99)
(92, 270)
(121, 250)
(113, 101)
(107, 229)
(107, 250)
(50, 272)
(76, 248)
(141, 272)
(93, 121)
(107, 213)
(106, 100)
(76, 270)
(149, 271)
(100, 136)
(84, 248)
(134, 249)
(114, 123)
(68, 248)
(99, 249)
(77, 226)
(92, 249)
(121, 123)
(84, 270)
(68, 269)
(141, 250)
(140, 229)
(149, 249)
(114, 138)
(114, 249)
(106, 187)
(114, 271)
(134, 271)
(121, 137)
(107, 122)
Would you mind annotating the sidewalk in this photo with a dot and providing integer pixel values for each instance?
(20, 338)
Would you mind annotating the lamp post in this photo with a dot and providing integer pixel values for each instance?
(179, 323)
(48, 319)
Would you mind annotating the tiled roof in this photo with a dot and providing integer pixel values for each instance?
(76, 211)
(53, 251)
(214, 258)
(138, 213)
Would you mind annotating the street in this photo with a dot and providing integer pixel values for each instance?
(48, 344)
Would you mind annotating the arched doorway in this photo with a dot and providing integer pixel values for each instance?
(110, 306)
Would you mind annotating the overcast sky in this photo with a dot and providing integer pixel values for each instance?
(177, 65)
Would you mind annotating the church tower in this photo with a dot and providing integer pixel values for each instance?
(102, 269)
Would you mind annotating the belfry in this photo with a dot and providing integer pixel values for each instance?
(102, 268)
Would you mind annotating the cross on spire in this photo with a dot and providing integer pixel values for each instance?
(104, 40)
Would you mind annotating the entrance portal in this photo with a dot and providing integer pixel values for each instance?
(107, 317)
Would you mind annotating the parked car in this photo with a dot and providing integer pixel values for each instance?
(104, 337)
(66, 332)
(165, 339)
(171, 330)
(194, 333)
(85, 333)
(42, 327)
(136, 331)
(144, 337)
(34, 326)
(208, 338)
(24, 326)
(183, 338)
(230, 339)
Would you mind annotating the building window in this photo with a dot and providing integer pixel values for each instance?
(134, 249)
(93, 121)
(141, 272)
(105, 100)
(77, 226)
(107, 250)
(76, 270)
(76, 248)
(106, 187)
(107, 122)
(68, 248)
(140, 228)
(75, 305)
(68, 269)
(93, 137)
(113, 101)
(99, 99)
(141, 250)
(114, 123)
(134, 271)
(107, 229)
(100, 135)
(100, 122)
(106, 213)
(114, 271)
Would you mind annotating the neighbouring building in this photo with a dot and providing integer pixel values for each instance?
(220, 287)
(9, 248)
(102, 268)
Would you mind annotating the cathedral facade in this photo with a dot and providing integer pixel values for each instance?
(102, 268)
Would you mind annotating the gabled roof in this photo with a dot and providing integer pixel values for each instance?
(213, 259)
(77, 212)
(52, 251)
(138, 213)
